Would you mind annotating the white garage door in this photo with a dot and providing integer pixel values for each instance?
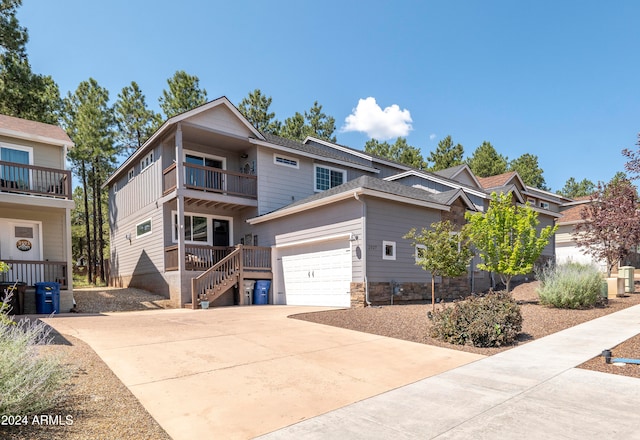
(318, 274)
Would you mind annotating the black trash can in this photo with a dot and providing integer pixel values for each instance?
(17, 299)
(47, 298)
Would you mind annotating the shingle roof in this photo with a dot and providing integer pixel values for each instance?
(573, 214)
(34, 128)
(496, 181)
(450, 172)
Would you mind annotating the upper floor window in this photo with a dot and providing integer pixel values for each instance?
(146, 162)
(326, 177)
(531, 201)
(286, 161)
(544, 205)
(130, 175)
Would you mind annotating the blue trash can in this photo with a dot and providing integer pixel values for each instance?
(47, 298)
(261, 292)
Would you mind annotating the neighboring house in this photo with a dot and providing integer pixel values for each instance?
(209, 202)
(35, 202)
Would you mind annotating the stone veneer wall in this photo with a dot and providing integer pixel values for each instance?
(380, 293)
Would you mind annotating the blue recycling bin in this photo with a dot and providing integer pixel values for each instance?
(261, 292)
(47, 298)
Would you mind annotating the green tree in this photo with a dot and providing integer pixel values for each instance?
(529, 171)
(573, 189)
(23, 94)
(507, 238)
(255, 107)
(136, 122)
(399, 151)
(486, 161)
(13, 37)
(89, 121)
(313, 123)
(446, 155)
(442, 251)
(183, 95)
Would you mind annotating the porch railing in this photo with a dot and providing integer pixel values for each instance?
(31, 179)
(31, 272)
(210, 179)
(226, 270)
(197, 257)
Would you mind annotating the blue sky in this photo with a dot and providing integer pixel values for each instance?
(558, 79)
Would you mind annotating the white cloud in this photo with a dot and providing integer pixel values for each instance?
(377, 123)
(432, 136)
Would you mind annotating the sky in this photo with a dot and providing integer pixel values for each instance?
(558, 79)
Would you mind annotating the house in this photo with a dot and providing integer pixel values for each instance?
(209, 202)
(35, 203)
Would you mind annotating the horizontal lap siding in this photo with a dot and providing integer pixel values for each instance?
(53, 228)
(389, 221)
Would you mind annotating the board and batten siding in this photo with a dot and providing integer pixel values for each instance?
(389, 221)
(143, 190)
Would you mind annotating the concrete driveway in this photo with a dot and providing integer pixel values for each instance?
(239, 372)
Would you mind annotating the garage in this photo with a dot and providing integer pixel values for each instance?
(317, 274)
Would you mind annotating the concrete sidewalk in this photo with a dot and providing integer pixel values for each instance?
(240, 372)
(529, 392)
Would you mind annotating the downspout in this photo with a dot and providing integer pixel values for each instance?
(364, 249)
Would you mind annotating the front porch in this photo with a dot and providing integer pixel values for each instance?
(215, 270)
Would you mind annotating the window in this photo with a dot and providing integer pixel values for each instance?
(544, 205)
(421, 251)
(204, 229)
(327, 178)
(200, 171)
(146, 162)
(286, 161)
(130, 175)
(531, 201)
(143, 228)
(15, 176)
(388, 250)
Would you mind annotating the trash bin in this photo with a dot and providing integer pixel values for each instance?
(17, 299)
(248, 292)
(47, 298)
(261, 292)
(627, 272)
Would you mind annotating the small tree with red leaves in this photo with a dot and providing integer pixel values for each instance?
(611, 223)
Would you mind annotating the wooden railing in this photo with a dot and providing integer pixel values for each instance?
(197, 257)
(226, 270)
(30, 179)
(31, 272)
(211, 179)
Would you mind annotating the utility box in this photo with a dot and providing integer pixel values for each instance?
(627, 273)
(248, 286)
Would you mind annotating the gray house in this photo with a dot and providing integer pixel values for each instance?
(209, 202)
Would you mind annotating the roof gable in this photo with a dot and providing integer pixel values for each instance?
(11, 126)
(460, 173)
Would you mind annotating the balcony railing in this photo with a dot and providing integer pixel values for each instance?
(210, 179)
(30, 179)
(32, 272)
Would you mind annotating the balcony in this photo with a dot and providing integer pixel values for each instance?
(213, 180)
(18, 178)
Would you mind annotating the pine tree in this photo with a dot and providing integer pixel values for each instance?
(183, 95)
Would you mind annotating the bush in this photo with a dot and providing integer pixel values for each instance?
(493, 320)
(570, 286)
(30, 382)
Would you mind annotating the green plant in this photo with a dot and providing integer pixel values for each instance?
(493, 320)
(569, 286)
(30, 381)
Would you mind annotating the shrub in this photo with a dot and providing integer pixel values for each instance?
(570, 286)
(30, 382)
(493, 320)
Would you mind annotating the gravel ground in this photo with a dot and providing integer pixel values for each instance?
(101, 407)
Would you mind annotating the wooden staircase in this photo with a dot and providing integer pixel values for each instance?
(218, 279)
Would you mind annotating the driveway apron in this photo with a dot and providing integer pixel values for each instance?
(240, 372)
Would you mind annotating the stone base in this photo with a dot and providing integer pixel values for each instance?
(406, 293)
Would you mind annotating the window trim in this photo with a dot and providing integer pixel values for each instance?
(393, 246)
(149, 157)
(315, 176)
(145, 233)
(277, 156)
(210, 219)
(419, 247)
(131, 174)
(203, 156)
